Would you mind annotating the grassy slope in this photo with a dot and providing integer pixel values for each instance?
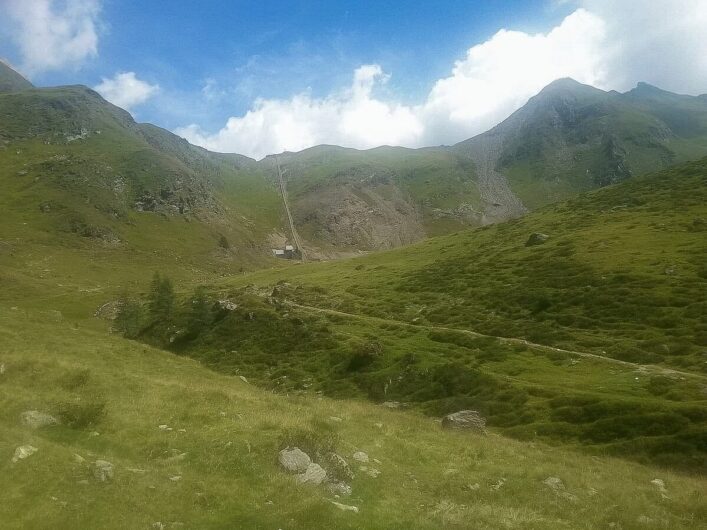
(69, 204)
(620, 274)
(620, 278)
(231, 435)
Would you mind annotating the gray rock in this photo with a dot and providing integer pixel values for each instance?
(338, 467)
(315, 475)
(536, 239)
(370, 471)
(103, 470)
(36, 420)
(22, 452)
(557, 486)
(465, 419)
(294, 460)
(338, 488)
(360, 456)
(345, 507)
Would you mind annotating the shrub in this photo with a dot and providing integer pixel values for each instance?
(80, 414)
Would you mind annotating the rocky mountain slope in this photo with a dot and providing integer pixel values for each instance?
(92, 171)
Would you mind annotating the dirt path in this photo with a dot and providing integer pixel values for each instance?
(505, 340)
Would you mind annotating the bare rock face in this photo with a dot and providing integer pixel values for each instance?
(465, 419)
(294, 460)
(35, 419)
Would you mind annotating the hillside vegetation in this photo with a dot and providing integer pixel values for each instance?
(213, 463)
(590, 339)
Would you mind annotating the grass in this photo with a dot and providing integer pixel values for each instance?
(230, 438)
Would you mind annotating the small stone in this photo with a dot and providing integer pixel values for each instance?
(370, 471)
(465, 419)
(338, 488)
(175, 478)
(22, 452)
(159, 526)
(554, 483)
(103, 470)
(536, 239)
(391, 404)
(315, 475)
(294, 460)
(335, 419)
(499, 484)
(360, 456)
(345, 507)
(242, 378)
(660, 486)
(93, 434)
(35, 419)
(164, 427)
(78, 459)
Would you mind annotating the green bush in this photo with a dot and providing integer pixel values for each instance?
(80, 413)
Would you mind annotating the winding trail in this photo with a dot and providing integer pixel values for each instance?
(504, 340)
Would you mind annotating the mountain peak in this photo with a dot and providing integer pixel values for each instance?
(568, 85)
(11, 80)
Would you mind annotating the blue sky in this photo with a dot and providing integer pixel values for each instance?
(300, 67)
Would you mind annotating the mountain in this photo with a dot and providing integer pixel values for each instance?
(576, 331)
(88, 169)
(573, 137)
(568, 139)
(80, 176)
(10, 80)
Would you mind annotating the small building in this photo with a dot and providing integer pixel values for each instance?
(278, 252)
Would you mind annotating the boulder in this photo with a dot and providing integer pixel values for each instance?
(465, 419)
(338, 467)
(315, 475)
(36, 420)
(294, 460)
(23, 452)
(536, 239)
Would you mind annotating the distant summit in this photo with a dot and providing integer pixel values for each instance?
(11, 80)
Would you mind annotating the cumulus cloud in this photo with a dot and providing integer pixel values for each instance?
(126, 90)
(50, 34)
(608, 44)
(353, 117)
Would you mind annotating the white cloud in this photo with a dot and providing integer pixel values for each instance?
(50, 34)
(499, 75)
(352, 117)
(605, 43)
(126, 90)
